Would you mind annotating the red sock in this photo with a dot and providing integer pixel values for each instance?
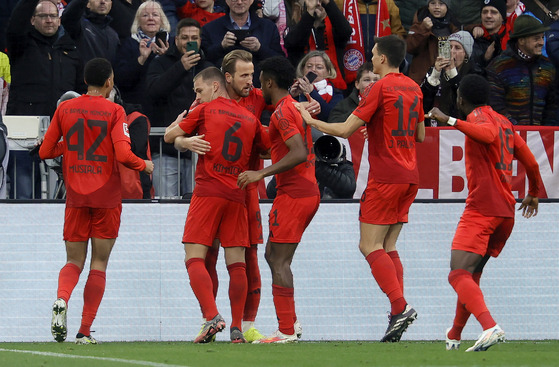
(254, 284)
(92, 296)
(384, 273)
(470, 295)
(399, 268)
(67, 280)
(283, 300)
(211, 263)
(462, 315)
(201, 284)
(237, 292)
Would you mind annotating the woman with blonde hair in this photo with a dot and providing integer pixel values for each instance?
(137, 51)
(314, 74)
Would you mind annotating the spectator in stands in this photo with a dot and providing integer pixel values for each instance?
(322, 27)
(261, 36)
(6, 8)
(170, 89)
(431, 24)
(320, 89)
(491, 36)
(123, 13)
(373, 23)
(204, 11)
(523, 82)
(44, 64)
(514, 9)
(408, 8)
(440, 86)
(88, 23)
(138, 51)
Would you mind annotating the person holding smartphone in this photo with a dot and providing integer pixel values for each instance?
(315, 73)
(149, 38)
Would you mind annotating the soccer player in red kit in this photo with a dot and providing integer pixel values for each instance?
(217, 208)
(392, 109)
(298, 196)
(94, 137)
(487, 222)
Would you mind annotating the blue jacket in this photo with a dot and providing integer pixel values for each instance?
(263, 29)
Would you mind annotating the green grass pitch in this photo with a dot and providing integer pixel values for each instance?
(315, 354)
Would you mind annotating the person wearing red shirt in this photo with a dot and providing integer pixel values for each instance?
(298, 196)
(94, 137)
(204, 11)
(217, 208)
(487, 222)
(392, 109)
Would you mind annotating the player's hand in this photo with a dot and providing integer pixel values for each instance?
(529, 206)
(437, 114)
(312, 105)
(364, 132)
(195, 144)
(149, 167)
(248, 177)
(305, 114)
(179, 118)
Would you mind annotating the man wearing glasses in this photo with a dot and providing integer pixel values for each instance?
(44, 65)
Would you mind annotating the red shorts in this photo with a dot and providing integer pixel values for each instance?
(254, 216)
(289, 217)
(212, 217)
(81, 224)
(482, 235)
(384, 204)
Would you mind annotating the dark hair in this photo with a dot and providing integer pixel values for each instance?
(97, 71)
(474, 89)
(368, 66)
(211, 74)
(393, 47)
(188, 22)
(280, 70)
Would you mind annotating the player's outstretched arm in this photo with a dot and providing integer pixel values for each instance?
(341, 129)
(529, 206)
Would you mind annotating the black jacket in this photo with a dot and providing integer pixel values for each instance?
(170, 89)
(42, 68)
(92, 32)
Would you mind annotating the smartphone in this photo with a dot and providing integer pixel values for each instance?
(444, 49)
(241, 34)
(192, 46)
(161, 35)
(311, 76)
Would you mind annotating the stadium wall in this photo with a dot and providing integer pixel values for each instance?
(148, 296)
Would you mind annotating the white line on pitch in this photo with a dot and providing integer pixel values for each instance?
(121, 360)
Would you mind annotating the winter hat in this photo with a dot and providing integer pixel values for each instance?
(500, 5)
(526, 25)
(465, 39)
(442, 1)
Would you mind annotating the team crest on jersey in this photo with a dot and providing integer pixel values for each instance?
(125, 128)
(353, 59)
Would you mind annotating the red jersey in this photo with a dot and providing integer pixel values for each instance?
(191, 10)
(232, 131)
(285, 122)
(491, 143)
(392, 107)
(89, 126)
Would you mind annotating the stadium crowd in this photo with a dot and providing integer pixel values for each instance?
(45, 47)
(308, 57)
